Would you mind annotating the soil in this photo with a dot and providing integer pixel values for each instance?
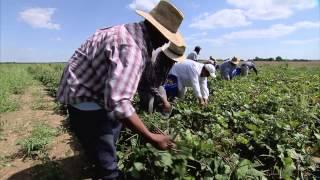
(63, 157)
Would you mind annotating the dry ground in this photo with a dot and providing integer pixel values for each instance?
(62, 154)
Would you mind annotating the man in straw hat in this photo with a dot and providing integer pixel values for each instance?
(228, 67)
(190, 74)
(101, 78)
(152, 94)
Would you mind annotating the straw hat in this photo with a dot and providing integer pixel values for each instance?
(174, 52)
(167, 19)
(235, 60)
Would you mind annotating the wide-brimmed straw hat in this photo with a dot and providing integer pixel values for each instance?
(235, 60)
(174, 52)
(167, 19)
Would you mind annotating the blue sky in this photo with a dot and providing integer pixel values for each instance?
(50, 30)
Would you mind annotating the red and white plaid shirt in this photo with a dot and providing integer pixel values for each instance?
(106, 69)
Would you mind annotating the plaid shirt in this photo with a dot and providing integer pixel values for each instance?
(154, 75)
(106, 69)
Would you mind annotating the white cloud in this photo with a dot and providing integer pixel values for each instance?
(192, 37)
(307, 24)
(268, 14)
(223, 18)
(272, 32)
(213, 41)
(300, 42)
(56, 39)
(277, 30)
(39, 18)
(271, 9)
(297, 4)
(144, 5)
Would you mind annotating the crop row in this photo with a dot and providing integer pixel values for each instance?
(13, 80)
(258, 127)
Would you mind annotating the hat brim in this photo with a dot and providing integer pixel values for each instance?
(175, 38)
(235, 62)
(173, 56)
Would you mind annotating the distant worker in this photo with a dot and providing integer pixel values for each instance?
(209, 61)
(213, 61)
(152, 94)
(246, 67)
(190, 74)
(228, 69)
(194, 54)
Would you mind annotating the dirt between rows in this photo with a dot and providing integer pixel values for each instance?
(62, 156)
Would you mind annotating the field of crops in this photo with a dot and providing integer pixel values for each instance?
(258, 127)
(13, 80)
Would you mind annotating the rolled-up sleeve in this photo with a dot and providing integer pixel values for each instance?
(124, 74)
(194, 79)
(204, 87)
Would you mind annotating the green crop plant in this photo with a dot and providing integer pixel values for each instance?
(14, 79)
(255, 127)
(35, 144)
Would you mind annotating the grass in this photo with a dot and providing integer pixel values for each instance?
(13, 80)
(4, 161)
(248, 118)
(36, 143)
(40, 102)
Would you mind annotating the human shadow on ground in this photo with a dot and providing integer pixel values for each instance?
(74, 167)
(71, 168)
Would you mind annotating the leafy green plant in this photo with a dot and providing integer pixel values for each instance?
(14, 79)
(35, 144)
(255, 127)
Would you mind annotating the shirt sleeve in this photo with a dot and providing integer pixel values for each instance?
(195, 57)
(194, 79)
(225, 73)
(192, 56)
(122, 79)
(204, 87)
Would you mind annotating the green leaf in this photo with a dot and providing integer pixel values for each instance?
(138, 166)
(166, 159)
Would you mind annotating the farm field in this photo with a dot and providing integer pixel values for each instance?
(255, 127)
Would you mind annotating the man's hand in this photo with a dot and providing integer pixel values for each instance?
(161, 141)
(166, 107)
(200, 100)
(205, 101)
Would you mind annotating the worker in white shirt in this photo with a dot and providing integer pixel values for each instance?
(189, 74)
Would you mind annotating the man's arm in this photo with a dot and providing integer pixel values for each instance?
(204, 89)
(164, 99)
(194, 79)
(120, 89)
(255, 70)
(160, 141)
